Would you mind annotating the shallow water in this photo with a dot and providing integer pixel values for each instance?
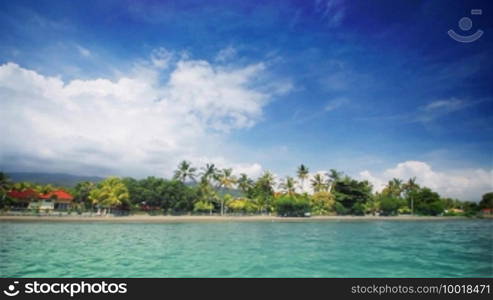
(457, 248)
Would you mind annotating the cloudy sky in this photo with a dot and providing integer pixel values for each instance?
(376, 89)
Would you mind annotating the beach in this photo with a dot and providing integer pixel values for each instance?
(192, 219)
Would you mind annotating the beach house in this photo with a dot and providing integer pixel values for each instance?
(58, 199)
(61, 200)
(23, 197)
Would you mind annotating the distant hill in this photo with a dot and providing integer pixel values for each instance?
(57, 179)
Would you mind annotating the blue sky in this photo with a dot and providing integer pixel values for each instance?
(373, 88)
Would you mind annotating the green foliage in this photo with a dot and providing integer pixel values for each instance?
(207, 194)
(358, 209)
(373, 205)
(171, 196)
(82, 192)
(486, 201)
(185, 171)
(208, 173)
(241, 205)
(220, 190)
(319, 184)
(404, 210)
(322, 203)
(341, 209)
(226, 179)
(394, 188)
(289, 185)
(202, 206)
(5, 186)
(262, 192)
(453, 214)
(389, 205)
(470, 208)
(348, 192)
(110, 192)
(302, 174)
(427, 202)
(245, 183)
(292, 206)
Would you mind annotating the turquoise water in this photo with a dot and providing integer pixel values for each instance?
(309, 249)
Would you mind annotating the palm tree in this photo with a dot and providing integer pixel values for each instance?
(110, 192)
(44, 189)
(289, 185)
(208, 172)
(265, 188)
(22, 186)
(409, 187)
(318, 183)
(334, 175)
(244, 183)
(302, 175)
(5, 182)
(207, 193)
(267, 180)
(373, 204)
(184, 171)
(226, 180)
(395, 187)
(5, 185)
(82, 192)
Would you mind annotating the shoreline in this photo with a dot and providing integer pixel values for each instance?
(198, 219)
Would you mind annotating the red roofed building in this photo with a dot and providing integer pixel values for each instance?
(58, 199)
(26, 195)
(59, 195)
(62, 199)
(23, 197)
(487, 211)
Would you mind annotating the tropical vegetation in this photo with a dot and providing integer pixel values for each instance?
(211, 190)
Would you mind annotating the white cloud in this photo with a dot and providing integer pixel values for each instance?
(226, 54)
(465, 184)
(253, 170)
(447, 105)
(335, 104)
(332, 10)
(439, 108)
(161, 58)
(83, 51)
(134, 125)
(378, 183)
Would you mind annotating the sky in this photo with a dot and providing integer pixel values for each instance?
(376, 89)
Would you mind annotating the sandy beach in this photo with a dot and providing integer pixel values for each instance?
(188, 219)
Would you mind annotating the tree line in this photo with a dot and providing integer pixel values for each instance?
(210, 190)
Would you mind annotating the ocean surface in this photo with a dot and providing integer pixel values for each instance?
(456, 248)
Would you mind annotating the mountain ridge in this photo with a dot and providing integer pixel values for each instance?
(58, 179)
